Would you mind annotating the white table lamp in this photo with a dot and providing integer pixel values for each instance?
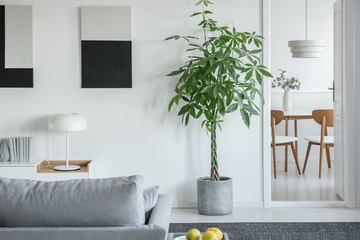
(67, 123)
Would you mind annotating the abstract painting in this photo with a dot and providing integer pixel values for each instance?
(106, 47)
(16, 64)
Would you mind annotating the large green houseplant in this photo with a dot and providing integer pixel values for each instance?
(222, 75)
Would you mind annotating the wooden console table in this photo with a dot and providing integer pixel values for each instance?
(45, 171)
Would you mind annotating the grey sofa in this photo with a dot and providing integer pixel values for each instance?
(155, 229)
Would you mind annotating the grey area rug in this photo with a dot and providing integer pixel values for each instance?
(278, 231)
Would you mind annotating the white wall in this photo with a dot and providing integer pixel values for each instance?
(316, 75)
(129, 130)
(356, 65)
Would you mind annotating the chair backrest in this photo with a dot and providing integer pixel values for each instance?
(277, 115)
(318, 116)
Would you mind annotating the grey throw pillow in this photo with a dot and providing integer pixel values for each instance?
(150, 199)
(74, 203)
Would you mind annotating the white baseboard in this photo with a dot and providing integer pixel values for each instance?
(184, 204)
(308, 204)
(235, 204)
(357, 204)
(275, 204)
(314, 89)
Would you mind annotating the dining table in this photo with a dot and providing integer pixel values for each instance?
(295, 115)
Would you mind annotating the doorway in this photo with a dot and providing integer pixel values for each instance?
(317, 76)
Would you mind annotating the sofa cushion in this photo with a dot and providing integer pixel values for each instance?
(150, 199)
(74, 203)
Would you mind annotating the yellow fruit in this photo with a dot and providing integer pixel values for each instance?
(193, 234)
(217, 231)
(209, 235)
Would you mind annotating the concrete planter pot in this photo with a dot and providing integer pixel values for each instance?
(215, 197)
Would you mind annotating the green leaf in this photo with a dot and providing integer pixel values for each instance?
(233, 107)
(258, 77)
(171, 103)
(192, 112)
(195, 14)
(245, 117)
(230, 98)
(256, 51)
(265, 73)
(187, 119)
(249, 75)
(221, 106)
(185, 99)
(240, 100)
(246, 69)
(177, 72)
(251, 110)
(213, 103)
(177, 99)
(183, 110)
(207, 115)
(207, 89)
(176, 37)
(215, 91)
(199, 113)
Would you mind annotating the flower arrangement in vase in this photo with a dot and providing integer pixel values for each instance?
(286, 84)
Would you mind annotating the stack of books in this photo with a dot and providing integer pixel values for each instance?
(20, 149)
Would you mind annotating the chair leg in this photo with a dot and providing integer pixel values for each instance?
(320, 160)
(274, 159)
(295, 156)
(328, 156)
(286, 157)
(307, 157)
(286, 146)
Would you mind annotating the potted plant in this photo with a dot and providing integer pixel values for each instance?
(222, 75)
(286, 84)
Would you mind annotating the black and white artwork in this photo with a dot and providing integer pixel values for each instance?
(106, 47)
(16, 64)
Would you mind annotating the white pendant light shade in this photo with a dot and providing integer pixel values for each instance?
(306, 48)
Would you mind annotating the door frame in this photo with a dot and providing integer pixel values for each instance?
(349, 149)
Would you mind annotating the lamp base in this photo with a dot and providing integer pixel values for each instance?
(67, 168)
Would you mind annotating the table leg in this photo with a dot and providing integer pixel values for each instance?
(286, 147)
(296, 143)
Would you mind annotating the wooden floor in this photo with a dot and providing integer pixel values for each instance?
(291, 186)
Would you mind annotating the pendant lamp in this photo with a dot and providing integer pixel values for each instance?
(306, 48)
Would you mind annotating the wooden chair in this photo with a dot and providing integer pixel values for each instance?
(276, 118)
(326, 119)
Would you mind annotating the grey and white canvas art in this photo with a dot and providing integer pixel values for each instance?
(16, 52)
(106, 47)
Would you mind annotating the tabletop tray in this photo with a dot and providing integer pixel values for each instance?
(172, 236)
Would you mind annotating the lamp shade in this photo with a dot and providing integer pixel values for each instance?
(306, 48)
(67, 122)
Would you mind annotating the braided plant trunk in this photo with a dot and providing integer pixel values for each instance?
(214, 164)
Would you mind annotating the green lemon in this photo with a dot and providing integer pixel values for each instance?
(193, 234)
(210, 235)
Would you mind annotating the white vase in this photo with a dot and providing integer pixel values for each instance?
(287, 101)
